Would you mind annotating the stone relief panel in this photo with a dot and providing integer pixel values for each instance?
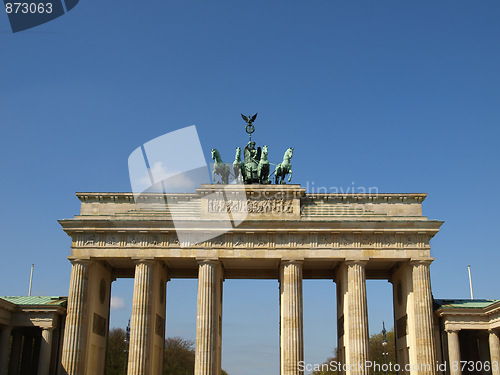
(134, 239)
(387, 240)
(347, 240)
(239, 240)
(324, 240)
(154, 240)
(303, 240)
(251, 205)
(90, 240)
(173, 240)
(283, 240)
(410, 241)
(112, 240)
(219, 241)
(368, 240)
(261, 240)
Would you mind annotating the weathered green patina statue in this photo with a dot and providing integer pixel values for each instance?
(284, 168)
(220, 168)
(252, 159)
(238, 166)
(263, 168)
(255, 169)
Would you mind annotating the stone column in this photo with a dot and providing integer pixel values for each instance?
(291, 317)
(5, 334)
(45, 352)
(73, 352)
(494, 352)
(208, 319)
(422, 310)
(15, 352)
(454, 352)
(358, 317)
(140, 327)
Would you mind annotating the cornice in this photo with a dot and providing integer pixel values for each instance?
(294, 190)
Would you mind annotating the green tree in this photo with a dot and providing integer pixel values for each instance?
(116, 355)
(327, 369)
(179, 356)
(376, 350)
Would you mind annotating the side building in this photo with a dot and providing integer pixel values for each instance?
(31, 334)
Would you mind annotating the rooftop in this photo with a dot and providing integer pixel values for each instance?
(36, 300)
(464, 303)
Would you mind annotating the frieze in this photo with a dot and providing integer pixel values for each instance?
(324, 240)
(90, 240)
(368, 240)
(283, 240)
(239, 240)
(112, 240)
(174, 240)
(346, 240)
(303, 240)
(154, 240)
(260, 240)
(133, 239)
(219, 241)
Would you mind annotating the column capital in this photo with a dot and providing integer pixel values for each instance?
(201, 261)
(493, 331)
(291, 261)
(82, 261)
(425, 262)
(451, 331)
(143, 260)
(353, 262)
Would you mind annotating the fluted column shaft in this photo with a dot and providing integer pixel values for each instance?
(5, 334)
(140, 335)
(73, 353)
(454, 353)
(45, 352)
(494, 352)
(358, 317)
(422, 307)
(291, 319)
(206, 358)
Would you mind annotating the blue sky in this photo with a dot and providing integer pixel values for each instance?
(401, 95)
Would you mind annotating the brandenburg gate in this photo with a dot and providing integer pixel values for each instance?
(287, 234)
